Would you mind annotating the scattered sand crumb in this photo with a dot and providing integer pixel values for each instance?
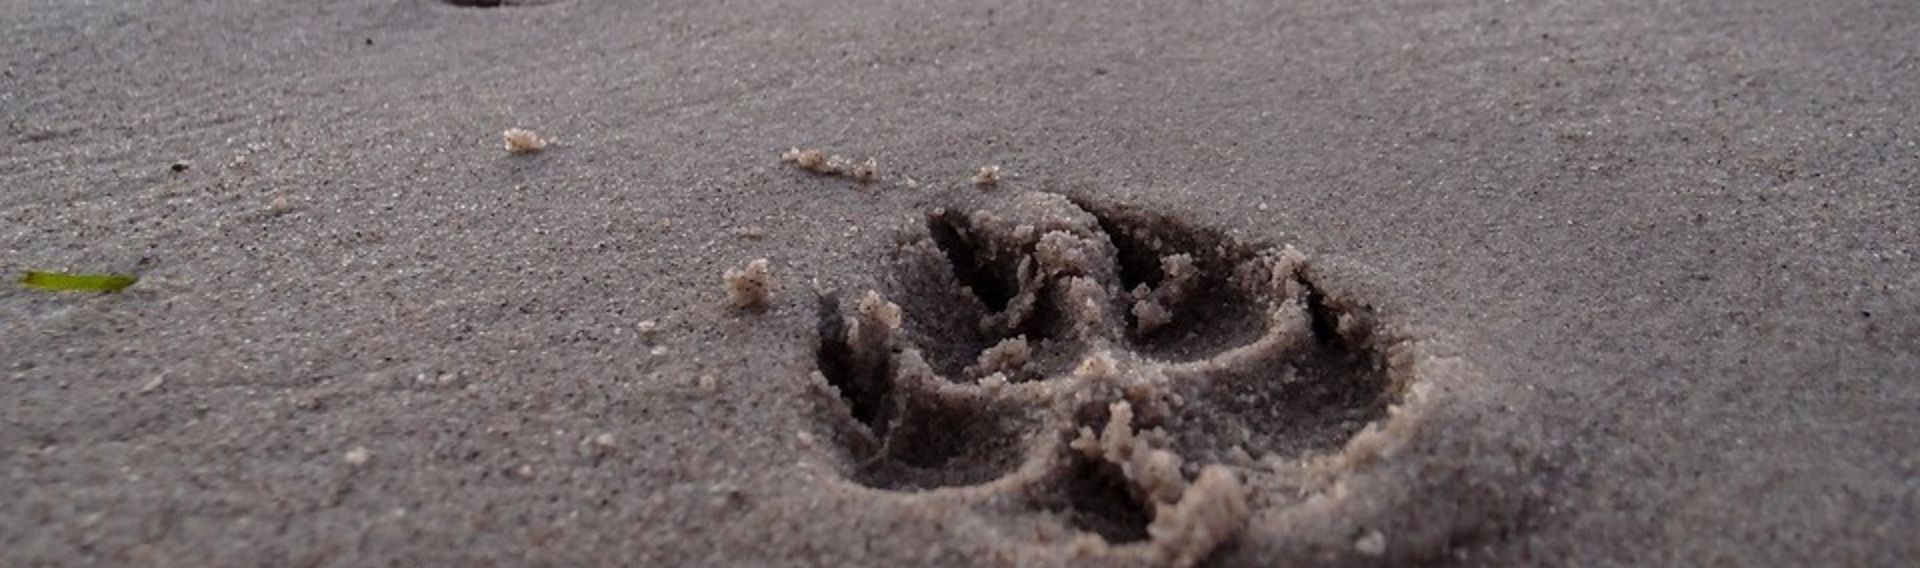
(988, 175)
(819, 162)
(806, 438)
(709, 383)
(812, 160)
(358, 455)
(750, 287)
(866, 171)
(523, 141)
(1371, 544)
(153, 384)
(647, 328)
(604, 440)
(994, 381)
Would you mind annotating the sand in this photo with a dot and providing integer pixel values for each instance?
(1599, 283)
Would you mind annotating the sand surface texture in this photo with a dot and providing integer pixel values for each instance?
(961, 284)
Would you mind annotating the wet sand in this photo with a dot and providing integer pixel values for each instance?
(1575, 284)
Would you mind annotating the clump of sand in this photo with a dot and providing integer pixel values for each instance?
(523, 141)
(987, 176)
(866, 171)
(751, 286)
(819, 162)
(812, 160)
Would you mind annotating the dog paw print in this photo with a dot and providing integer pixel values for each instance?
(1136, 384)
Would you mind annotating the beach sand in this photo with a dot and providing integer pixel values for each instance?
(1518, 283)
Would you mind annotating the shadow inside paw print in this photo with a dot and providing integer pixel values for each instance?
(1186, 303)
(915, 430)
(1116, 369)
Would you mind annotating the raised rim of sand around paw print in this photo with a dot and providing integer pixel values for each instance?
(1141, 386)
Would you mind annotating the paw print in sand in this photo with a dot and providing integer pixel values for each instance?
(1120, 376)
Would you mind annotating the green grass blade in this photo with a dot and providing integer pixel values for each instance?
(62, 281)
